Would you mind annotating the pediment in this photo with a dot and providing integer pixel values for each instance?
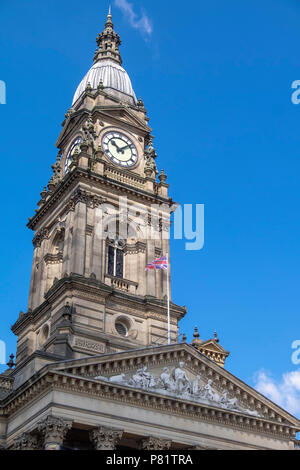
(213, 346)
(178, 372)
(113, 114)
(124, 115)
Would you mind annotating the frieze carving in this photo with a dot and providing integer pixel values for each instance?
(177, 383)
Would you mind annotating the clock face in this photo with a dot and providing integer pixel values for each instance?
(71, 151)
(119, 149)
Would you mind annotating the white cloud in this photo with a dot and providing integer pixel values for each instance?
(142, 23)
(285, 392)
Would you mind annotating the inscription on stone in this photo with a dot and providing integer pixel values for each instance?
(90, 345)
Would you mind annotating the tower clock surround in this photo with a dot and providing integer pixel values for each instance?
(119, 148)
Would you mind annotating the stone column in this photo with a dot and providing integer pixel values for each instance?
(155, 443)
(26, 441)
(105, 438)
(53, 430)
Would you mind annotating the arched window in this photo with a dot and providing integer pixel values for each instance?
(115, 257)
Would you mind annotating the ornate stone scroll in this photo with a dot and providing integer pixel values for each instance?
(105, 438)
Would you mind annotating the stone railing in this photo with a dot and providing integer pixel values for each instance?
(124, 177)
(121, 284)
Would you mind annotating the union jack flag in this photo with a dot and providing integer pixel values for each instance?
(158, 263)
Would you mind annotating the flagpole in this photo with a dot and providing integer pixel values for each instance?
(168, 300)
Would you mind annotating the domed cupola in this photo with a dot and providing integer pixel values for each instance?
(107, 68)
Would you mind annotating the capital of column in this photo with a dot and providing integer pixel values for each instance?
(26, 441)
(155, 443)
(105, 438)
(53, 430)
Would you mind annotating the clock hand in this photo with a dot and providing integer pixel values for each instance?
(115, 145)
(123, 148)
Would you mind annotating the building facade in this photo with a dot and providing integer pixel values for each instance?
(93, 367)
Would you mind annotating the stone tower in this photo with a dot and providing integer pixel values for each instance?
(103, 216)
(94, 368)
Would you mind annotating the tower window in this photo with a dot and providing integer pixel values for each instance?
(115, 258)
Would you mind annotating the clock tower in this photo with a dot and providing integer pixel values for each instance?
(103, 216)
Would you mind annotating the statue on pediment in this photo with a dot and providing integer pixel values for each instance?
(197, 389)
(165, 380)
(208, 392)
(182, 383)
(143, 379)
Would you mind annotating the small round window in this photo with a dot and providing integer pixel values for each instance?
(121, 328)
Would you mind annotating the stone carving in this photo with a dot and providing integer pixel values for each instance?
(57, 173)
(149, 157)
(155, 443)
(177, 383)
(89, 345)
(40, 236)
(53, 430)
(105, 438)
(26, 441)
(89, 134)
(142, 379)
(182, 383)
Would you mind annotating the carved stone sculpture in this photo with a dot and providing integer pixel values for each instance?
(155, 443)
(208, 391)
(165, 381)
(53, 430)
(26, 441)
(105, 438)
(177, 383)
(182, 383)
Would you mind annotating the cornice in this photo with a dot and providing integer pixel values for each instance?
(55, 380)
(114, 364)
(94, 287)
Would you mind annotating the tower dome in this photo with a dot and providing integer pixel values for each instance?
(114, 78)
(107, 68)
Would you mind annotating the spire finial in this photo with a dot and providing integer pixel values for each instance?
(109, 19)
(108, 42)
(196, 334)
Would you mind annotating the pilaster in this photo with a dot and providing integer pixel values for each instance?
(78, 240)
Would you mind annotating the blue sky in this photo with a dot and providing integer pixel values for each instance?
(216, 80)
